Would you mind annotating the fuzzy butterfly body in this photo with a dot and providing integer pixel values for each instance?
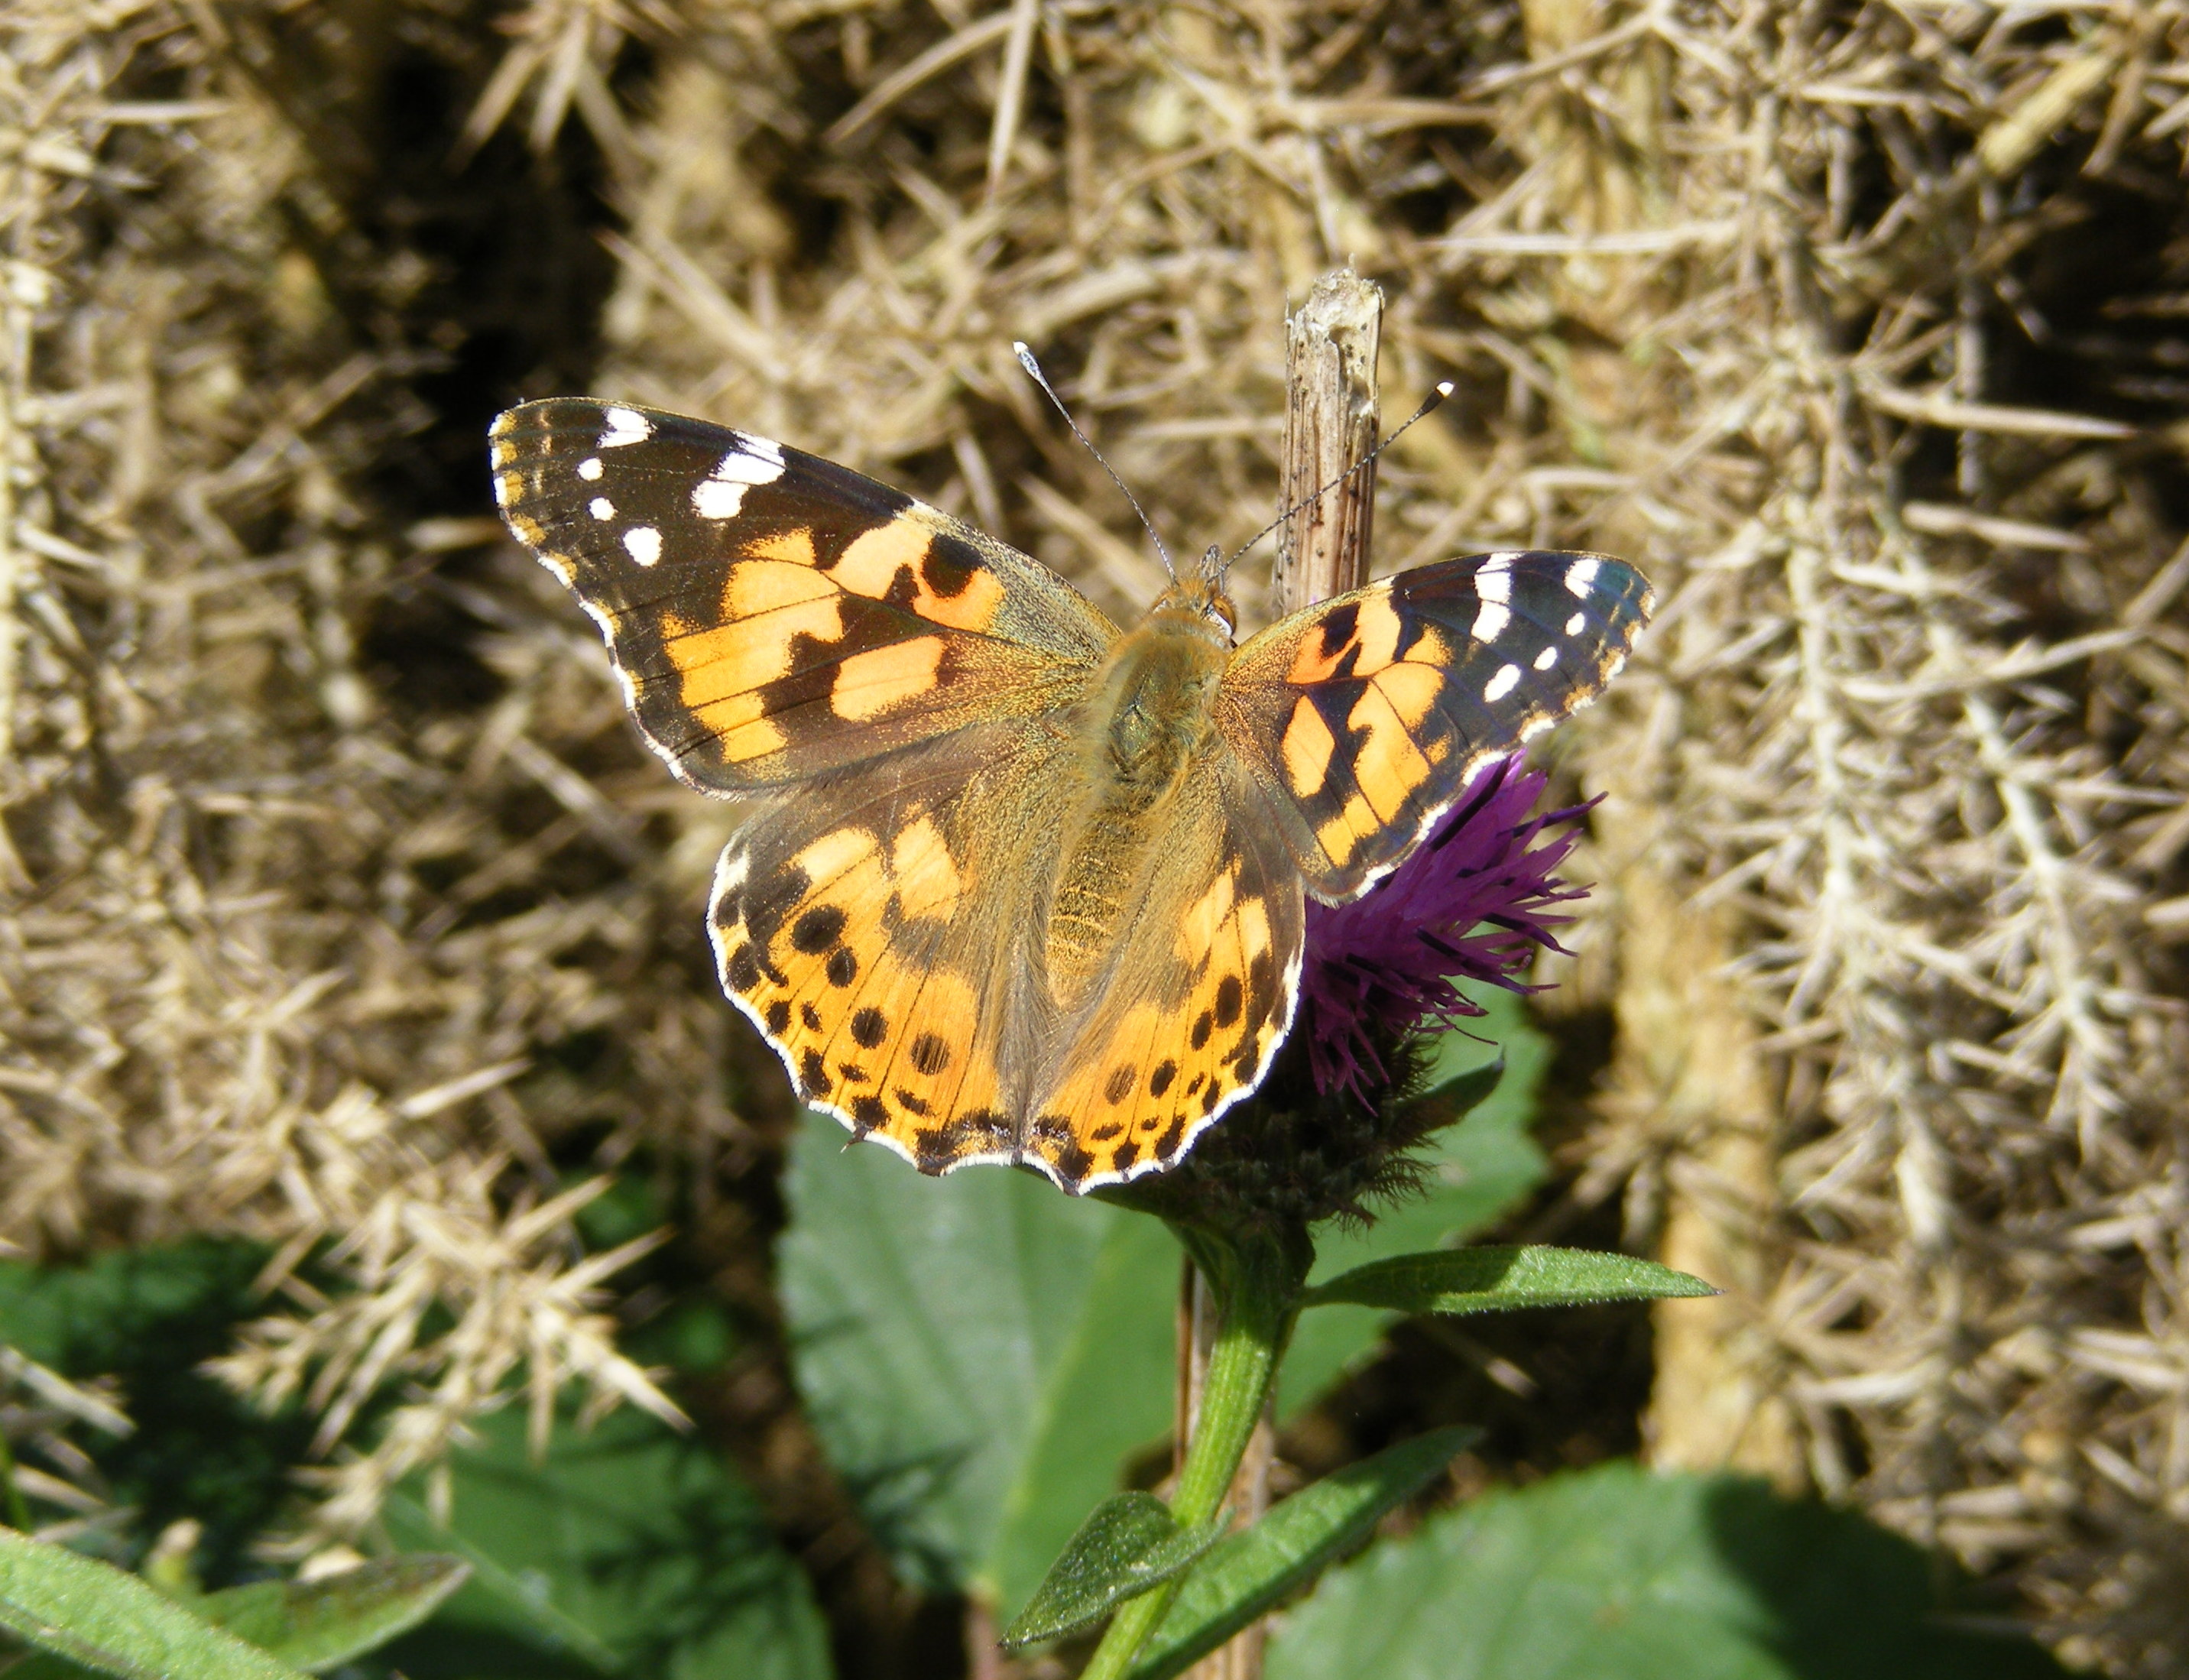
(1014, 886)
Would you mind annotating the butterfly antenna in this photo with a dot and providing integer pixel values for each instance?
(1034, 373)
(1444, 389)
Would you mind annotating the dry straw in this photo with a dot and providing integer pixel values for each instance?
(1860, 326)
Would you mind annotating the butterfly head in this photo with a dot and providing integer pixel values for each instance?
(1203, 598)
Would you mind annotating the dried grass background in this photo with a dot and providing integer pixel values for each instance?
(341, 905)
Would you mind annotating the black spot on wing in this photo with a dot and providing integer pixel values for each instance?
(741, 971)
(818, 929)
(1229, 997)
(1337, 628)
(949, 567)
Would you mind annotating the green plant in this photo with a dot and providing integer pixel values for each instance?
(981, 1358)
(979, 1355)
(82, 1615)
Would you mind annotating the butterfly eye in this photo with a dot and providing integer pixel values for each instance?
(1221, 610)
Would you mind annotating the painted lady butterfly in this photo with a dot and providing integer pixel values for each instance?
(1015, 887)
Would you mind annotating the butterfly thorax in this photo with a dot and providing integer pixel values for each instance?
(1150, 714)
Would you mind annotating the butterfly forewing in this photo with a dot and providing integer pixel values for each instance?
(1364, 716)
(774, 615)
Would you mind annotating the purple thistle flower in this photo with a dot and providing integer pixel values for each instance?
(1469, 905)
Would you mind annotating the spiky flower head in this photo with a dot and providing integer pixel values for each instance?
(1471, 903)
(1335, 1126)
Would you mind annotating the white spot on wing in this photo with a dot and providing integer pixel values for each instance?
(722, 494)
(1494, 582)
(731, 871)
(601, 507)
(1490, 621)
(1547, 659)
(712, 499)
(626, 426)
(644, 544)
(1581, 576)
(1576, 623)
(589, 469)
(1498, 686)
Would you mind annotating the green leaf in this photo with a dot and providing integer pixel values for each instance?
(978, 1353)
(1250, 1572)
(1615, 1574)
(628, 1549)
(1490, 1280)
(1478, 1169)
(1130, 1543)
(318, 1625)
(94, 1615)
(148, 1318)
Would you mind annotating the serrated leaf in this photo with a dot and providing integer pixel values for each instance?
(1494, 1279)
(1130, 1543)
(977, 1353)
(1248, 1573)
(317, 1625)
(1477, 1168)
(95, 1615)
(1616, 1574)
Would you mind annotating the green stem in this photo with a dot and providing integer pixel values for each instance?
(1257, 1286)
(16, 1513)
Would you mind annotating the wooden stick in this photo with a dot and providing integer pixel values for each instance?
(1331, 424)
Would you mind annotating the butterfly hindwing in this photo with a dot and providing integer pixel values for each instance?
(1364, 716)
(883, 928)
(1197, 998)
(875, 925)
(774, 615)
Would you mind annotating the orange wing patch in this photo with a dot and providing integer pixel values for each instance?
(900, 562)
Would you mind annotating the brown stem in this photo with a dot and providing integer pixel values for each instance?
(1331, 425)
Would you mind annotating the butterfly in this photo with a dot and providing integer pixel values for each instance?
(1012, 885)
